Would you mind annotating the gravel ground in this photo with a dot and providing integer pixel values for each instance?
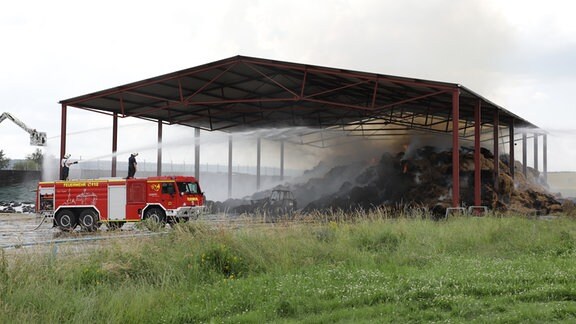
(26, 233)
(17, 228)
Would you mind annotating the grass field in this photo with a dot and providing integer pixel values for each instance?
(372, 270)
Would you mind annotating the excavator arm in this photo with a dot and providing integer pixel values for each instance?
(36, 138)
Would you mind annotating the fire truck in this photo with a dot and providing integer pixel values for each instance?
(115, 201)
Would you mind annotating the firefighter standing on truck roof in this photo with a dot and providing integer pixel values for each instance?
(132, 164)
(65, 164)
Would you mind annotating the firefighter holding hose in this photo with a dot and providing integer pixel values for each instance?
(132, 164)
(65, 164)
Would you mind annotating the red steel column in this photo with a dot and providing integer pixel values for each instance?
(511, 157)
(159, 154)
(496, 150)
(477, 164)
(62, 139)
(114, 143)
(455, 148)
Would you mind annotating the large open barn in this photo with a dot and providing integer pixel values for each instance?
(318, 106)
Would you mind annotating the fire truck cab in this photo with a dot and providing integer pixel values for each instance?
(114, 201)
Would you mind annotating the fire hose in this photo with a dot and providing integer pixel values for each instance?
(41, 222)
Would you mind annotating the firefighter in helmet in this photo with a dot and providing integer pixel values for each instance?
(132, 165)
(65, 165)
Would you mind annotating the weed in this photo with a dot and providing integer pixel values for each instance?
(151, 225)
(3, 273)
(285, 308)
(566, 244)
(221, 259)
(199, 229)
(384, 241)
(325, 234)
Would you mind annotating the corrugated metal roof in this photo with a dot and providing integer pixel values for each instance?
(244, 93)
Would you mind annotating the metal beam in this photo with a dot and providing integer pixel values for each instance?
(409, 100)
(455, 149)
(524, 155)
(477, 163)
(258, 162)
(197, 153)
(545, 157)
(229, 166)
(114, 144)
(511, 159)
(282, 161)
(374, 94)
(274, 81)
(536, 151)
(496, 150)
(159, 154)
(62, 139)
(171, 76)
(189, 98)
(343, 73)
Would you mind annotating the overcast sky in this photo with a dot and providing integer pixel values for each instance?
(518, 54)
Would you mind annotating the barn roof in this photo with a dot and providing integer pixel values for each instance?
(243, 93)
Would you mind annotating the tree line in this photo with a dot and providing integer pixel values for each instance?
(33, 161)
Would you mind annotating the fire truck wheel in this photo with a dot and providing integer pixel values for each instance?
(66, 220)
(155, 214)
(89, 220)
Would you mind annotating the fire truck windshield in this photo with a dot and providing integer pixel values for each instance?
(188, 187)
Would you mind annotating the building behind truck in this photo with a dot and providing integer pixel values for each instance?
(91, 203)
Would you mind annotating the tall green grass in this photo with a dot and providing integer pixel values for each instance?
(372, 269)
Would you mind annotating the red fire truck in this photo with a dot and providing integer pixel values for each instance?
(90, 203)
